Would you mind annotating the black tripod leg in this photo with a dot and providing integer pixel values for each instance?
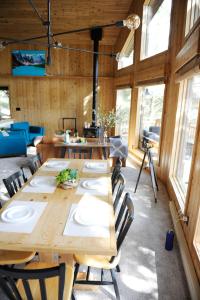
(153, 175)
(138, 179)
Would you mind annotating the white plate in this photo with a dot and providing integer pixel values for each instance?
(17, 214)
(91, 184)
(86, 218)
(37, 181)
(92, 212)
(95, 165)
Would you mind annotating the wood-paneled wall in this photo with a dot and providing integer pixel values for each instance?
(66, 91)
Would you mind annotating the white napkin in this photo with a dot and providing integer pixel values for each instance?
(89, 167)
(102, 189)
(28, 226)
(55, 165)
(48, 185)
(73, 228)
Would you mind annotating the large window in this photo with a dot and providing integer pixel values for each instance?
(4, 103)
(150, 117)
(155, 27)
(125, 57)
(193, 13)
(123, 105)
(190, 99)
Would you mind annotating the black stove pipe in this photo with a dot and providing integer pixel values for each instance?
(96, 36)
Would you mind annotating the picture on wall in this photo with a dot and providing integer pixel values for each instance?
(28, 63)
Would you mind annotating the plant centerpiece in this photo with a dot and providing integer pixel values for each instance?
(67, 178)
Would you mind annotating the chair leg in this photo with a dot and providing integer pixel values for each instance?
(76, 271)
(102, 274)
(118, 269)
(115, 285)
(88, 273)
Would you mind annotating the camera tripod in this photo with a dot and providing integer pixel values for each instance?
(147, 152)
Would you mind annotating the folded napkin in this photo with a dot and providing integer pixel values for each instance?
(41, 184)
(55, 165)
(95, 167)
(28, 225)
(93, 186)
(74, 228)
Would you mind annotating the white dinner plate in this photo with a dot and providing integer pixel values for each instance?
(37, 181)
(95, 165)
(91, 184)
(92, 214)
(86, 217)
(17, 214)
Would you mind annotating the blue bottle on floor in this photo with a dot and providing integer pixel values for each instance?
(169, 240)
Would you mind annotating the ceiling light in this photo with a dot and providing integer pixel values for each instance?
(132, 22)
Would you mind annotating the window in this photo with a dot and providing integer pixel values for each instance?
(125, 57)
(197, 235)
(193, 13)
(186, 133)
(4, 103)
(150, 116)
(155, 27)
(123, 105)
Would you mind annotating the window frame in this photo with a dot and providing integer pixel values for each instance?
(127, 47)
(188, 28)
(181, 197)
(145, 21)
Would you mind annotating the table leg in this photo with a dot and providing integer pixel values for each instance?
(104, 156)
(62, 152)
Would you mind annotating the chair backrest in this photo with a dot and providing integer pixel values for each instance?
(81, 153)
(118, 190)
(115, 173)
(11, 288)
(123, 221)
(34, 163)
(14, 182)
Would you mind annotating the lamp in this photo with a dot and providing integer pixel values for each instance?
(132, 22)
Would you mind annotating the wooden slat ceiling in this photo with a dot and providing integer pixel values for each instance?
(18, 20)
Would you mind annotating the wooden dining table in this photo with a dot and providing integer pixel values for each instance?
(47, 236)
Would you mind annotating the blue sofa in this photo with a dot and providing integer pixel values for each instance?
(14, 144)
(31, 132)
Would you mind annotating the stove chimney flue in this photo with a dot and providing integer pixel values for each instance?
(96, 36)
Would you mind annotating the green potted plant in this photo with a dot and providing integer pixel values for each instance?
(67, 178)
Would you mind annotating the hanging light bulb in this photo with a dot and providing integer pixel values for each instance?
(132, 22)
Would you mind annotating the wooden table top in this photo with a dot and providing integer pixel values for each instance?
(47, 235)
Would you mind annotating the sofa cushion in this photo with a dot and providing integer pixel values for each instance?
(20, 125)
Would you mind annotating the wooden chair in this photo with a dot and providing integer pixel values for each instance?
(118, 190)
(37, 281)
(14, 182)
(122, 225)
(81, 153)
(33, 164)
